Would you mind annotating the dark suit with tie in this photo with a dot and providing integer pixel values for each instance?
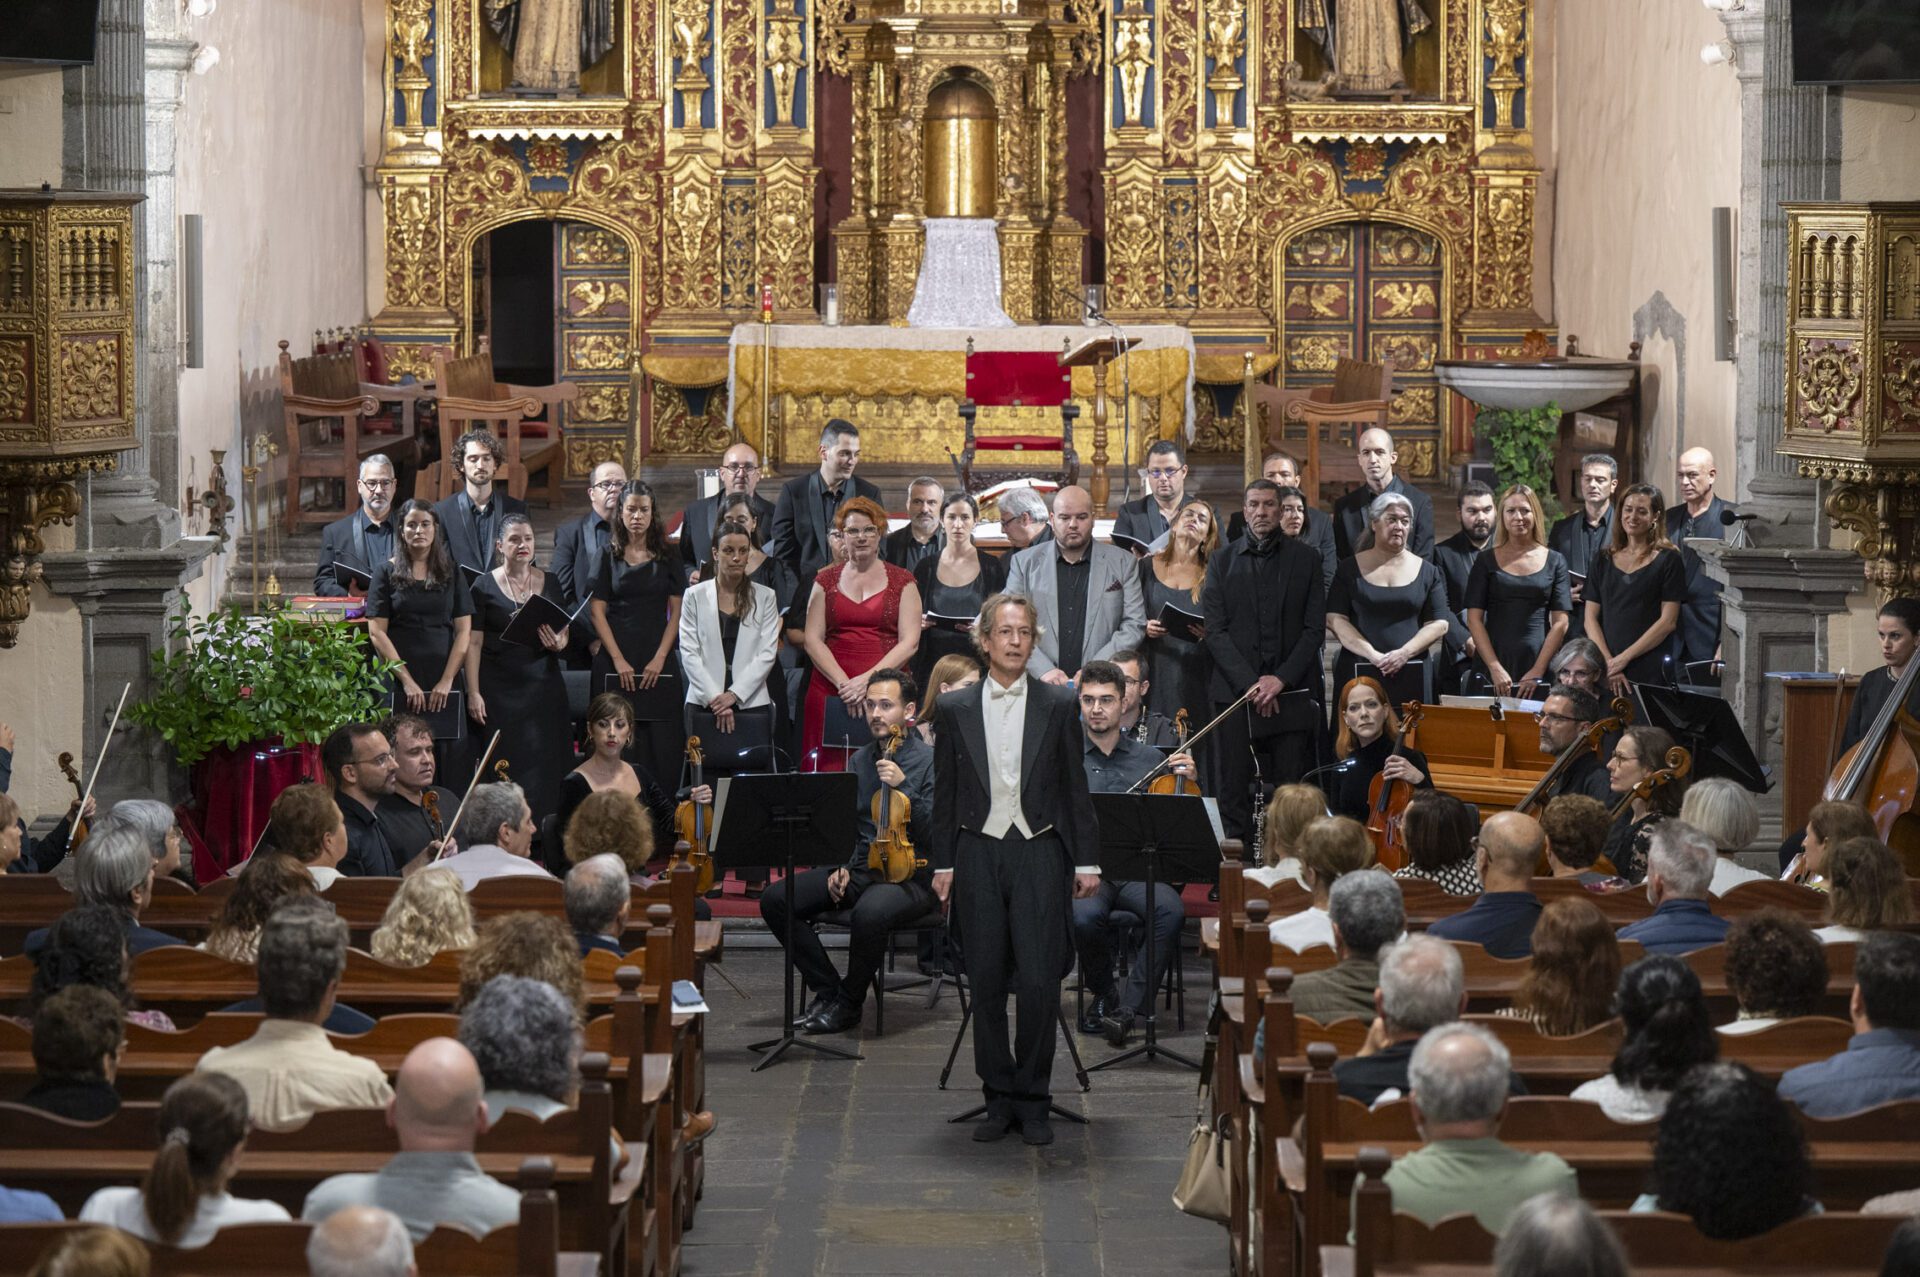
(470, 539)
(696, 527)
(1352, 533)
(355, 541)
(801, 519)
(1012, 895)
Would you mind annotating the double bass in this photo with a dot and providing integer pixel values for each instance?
(1882, 772)
(694, 824)
(891, 854)
(1387, 799)
(1591, 738)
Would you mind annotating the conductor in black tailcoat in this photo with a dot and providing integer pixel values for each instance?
(1015, 840)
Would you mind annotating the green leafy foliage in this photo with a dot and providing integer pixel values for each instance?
(1523, 442)
(233, 677)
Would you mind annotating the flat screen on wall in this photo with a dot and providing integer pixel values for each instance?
(53, 31)
(1856, 41)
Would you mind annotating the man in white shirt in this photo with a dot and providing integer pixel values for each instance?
(496, 832)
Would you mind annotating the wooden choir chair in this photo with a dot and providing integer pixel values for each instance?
(334, 421)
(1360, 397)
(469, 397)
(974, 480)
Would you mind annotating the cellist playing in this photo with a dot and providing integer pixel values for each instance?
(1899, 628)
(835, 1003)
(1369, 746)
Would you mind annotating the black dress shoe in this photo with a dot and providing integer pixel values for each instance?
(992, 1128)
(837, 1016)
(1118, 1026)
(1095, 1013)
(1036, 1130)
(814, 1007)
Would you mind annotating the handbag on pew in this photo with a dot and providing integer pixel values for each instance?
(1203, 1186)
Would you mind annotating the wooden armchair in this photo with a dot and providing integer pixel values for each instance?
(328, 414)
(1360, 397)
(978, 480)
(469, 397)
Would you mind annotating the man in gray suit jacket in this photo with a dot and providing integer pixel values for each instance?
(1088, 595)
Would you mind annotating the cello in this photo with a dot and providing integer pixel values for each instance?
(1387, 799)
(1882, 772)
(1590, 738)
(694, 823)
(890, 854)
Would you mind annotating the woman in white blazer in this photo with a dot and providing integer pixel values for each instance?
(729, 632)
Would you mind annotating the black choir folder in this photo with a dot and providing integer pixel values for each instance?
(1182, 624)
(1136, 545)
(537, 611)
(664, 702)
(446, 723)
(351, 576)
(954, 624)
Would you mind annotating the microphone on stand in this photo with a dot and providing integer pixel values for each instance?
(1344, 765)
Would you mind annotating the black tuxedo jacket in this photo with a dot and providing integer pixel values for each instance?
(696, 527)
(1351, 533)
(1287, 585)
(458, 526)
(346, 540)
(576, 557)
(1053, 780)
(800, 525)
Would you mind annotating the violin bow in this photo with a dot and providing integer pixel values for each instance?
(478, 771)
(1186, 745)
(104, 742)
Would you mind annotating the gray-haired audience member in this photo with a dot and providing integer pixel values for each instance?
(1461, 1076)
(361, 1241)
(1724, 811)
(114, 869)
(1023, 518)
(522, 1035)
(1422, 984)
(599, 896)
(1558, 1235)
(1680, 866)
(495, 837)
(156, 823)
(1367, 914)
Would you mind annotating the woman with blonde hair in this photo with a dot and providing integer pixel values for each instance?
(1867, 891)
(1724, 811)
(1179, 671)
(950, 673)
(1330, 847)
(97, 1251)
(267, 879)
(429, 914)
(1519, 598)
(1291, 809)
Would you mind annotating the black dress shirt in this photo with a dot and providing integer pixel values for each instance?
(357, 541)
(1586, 775)
(471, 534)
(578, 547)
(405, 823)
(1352, 533)
(1121, 770)
(915, 758)
(900, 549)
(804, 515)
(1071, 579)
(1266, 611)
(1580, 542)
(1700, 614)
(369, 854)
(1454, 557)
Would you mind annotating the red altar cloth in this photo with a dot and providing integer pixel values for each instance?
(232, 793)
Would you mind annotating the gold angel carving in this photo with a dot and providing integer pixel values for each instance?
(1132, 60)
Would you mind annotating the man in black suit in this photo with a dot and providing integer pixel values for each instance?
(920, 539)
(808, 503)
(1351, 531)
(1565, 714)
(1014, 841)
(581, 542)
(1697, 514)
(1266, 611)
(598, 898)
(363, 539)
(472, 516)
(1584, 535)
(1146, 518)
(739, 472)
(1311, 524)
(1454, 557)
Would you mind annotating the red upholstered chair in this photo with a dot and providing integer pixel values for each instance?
(976, 480)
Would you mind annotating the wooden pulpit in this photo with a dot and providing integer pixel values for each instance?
(1096, 352)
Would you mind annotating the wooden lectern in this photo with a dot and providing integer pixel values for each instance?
(1095, 353)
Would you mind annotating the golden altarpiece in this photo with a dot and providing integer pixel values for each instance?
(1209, 162)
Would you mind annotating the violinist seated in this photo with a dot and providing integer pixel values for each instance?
(1564, 718)
(409, 824)
(1116, 763)
(1898, 625)
(1645, 798)
(31, 855)
(1368, 745)
(493, 837)
(877, 905)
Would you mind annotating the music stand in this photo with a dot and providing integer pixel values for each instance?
(1704, 723)
(812, 816)
(1138, 833)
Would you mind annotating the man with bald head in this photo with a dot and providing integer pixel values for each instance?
(1351, 532)
(1088, 596)
(1697, 514)
(438, 1112)
(361, 1241)
(1506, 853)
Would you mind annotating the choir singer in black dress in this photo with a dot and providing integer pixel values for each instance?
(1898, 627)
(1014, 840)
(636, 614)
(1388, 606)
(420, 613)
(517, 687)
(1634, 594)
(1519, 599)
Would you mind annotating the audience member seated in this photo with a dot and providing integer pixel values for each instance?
(361, 1241)
(1902, 1258)
(1679, 867)
(1460, 1075)
(494, 837)
(1439, 832)
(88, 945)
(1291, 809)
(1882, 1060)
(1867, 891)
(1730, 1156)
(158, 828)
(114, 868)
(1501, 920)
(1367, 914)
(1668, 1031)
(522, 1034)
(96, 1251)
(1555, 1235)
(1776, 970)
(1829, 824)
(24, 1206)
(1328, 848)
(267, 879)
(1724, 811)
(1422, 985)
(1568, 986)
(288, 1067)
(77, 1038)
(610, 822)
(1576, 828)
(529, 944)
(184, 1200)
(599, 898)
(429, 914)
(438, 1113)
(306, 823)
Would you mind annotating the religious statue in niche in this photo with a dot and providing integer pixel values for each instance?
(1363, 41)
(552, 41)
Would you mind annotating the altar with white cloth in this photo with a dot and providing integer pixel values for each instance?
(903, 387)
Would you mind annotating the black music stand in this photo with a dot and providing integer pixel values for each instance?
(957, 943)
(1139, 833)
(812, 816)
(1702, 721)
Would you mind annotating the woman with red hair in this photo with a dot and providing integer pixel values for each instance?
(1368, 741)
(853, 628)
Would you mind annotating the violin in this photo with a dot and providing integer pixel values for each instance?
(891, 851)
(500, 773)
(1591, 737)
(1882, 772)
(1147, 782)
(1171, 782)
(1387, 799)
(1679, 764)
(430, 803)
(77, 831)
(694, 823)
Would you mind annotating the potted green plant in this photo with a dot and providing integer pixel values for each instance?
(1523, 440)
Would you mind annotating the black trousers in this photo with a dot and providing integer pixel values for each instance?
(877, 908)
(1010, 898)
(1091, 934)
(1283, 759)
